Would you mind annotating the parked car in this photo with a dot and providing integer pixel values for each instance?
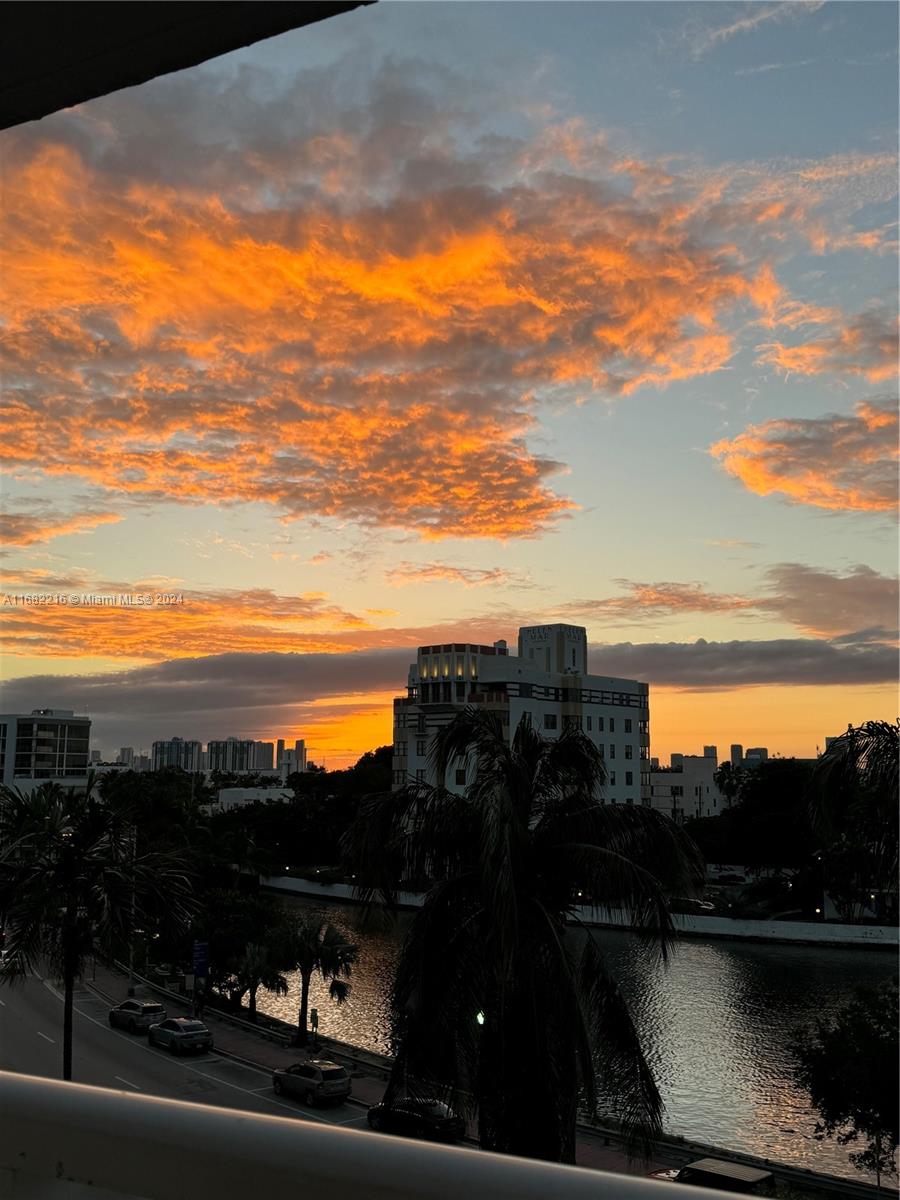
(424, 1118)
(136, 1015)
(314, 1082)
(727, 1176)
(181, 1035)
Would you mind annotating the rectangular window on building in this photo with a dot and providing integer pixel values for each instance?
(420, 723)
(612, 780)
(601, 750)
(612, 750)
(600, 724)
(420, 775)
(629, 778)
(628, 724)
(461, 777)
(612, 724)
(399, 776)
(420, 748)
(549, 720)
(589, 721)
(629, 750)
(460, 691)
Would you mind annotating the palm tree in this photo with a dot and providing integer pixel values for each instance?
(317, 946)
(854, 798)
(260, 966)
(498, 1005)
(70, 876)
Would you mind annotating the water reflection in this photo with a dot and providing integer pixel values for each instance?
(716, 1024)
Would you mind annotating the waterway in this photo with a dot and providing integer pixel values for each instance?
(716, 1024)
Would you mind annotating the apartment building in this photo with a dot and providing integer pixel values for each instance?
(547, 680)
(45, 745)
(175, 752)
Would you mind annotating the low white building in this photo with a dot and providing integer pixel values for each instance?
(686, 788)
(548, 681)
(237, 797)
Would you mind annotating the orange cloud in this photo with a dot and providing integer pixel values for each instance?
(74, 617)
(867, 346)
(405, 573)
(644, 600)
(841, 463)
(29, 528)
(356, 315)
(257, 328)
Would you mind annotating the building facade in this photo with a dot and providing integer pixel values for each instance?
(687, 787)
(547, 681)
(47, 744)
(176, 752)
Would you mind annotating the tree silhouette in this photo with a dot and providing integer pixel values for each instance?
(497, 1004)
(71, 876)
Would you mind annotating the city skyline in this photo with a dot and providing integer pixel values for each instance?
(434, 321)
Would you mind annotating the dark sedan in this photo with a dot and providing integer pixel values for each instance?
(417, 1118)
(181, 1035)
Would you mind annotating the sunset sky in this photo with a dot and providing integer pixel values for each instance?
(432, 320)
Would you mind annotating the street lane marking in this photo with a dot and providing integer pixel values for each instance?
(46, 1039)
(2, 1004)
(128, 1082)
(148, 1049)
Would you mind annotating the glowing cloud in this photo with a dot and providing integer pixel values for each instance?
(867, 346)
(832, 462)
(29, 528)
(387, 299)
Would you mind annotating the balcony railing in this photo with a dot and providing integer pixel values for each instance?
(67, 1140)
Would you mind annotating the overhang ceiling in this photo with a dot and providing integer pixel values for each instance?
(55, 55)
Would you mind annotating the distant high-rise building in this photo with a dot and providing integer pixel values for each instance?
(234, 755)
(737, 754)
(176, 752)
(95, 756)
(264, 756)
(293, 760)
(711, 752)
(126, 756)
(279, 752)
(756, 754)
(45, 744)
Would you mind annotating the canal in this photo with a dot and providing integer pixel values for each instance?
(716, 1025)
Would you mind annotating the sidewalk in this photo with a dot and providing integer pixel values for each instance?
(257, 1049)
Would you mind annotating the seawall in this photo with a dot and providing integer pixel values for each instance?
(878, 937)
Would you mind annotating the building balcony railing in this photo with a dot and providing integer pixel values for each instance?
(67, 1140)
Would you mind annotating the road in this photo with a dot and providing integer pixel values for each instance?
(31, 1015)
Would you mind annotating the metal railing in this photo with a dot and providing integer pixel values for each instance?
(59, 1139)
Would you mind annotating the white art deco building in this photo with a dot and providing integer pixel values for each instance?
(547, 680)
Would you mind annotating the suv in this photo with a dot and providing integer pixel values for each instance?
(135, 1015)
(315, 1082)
